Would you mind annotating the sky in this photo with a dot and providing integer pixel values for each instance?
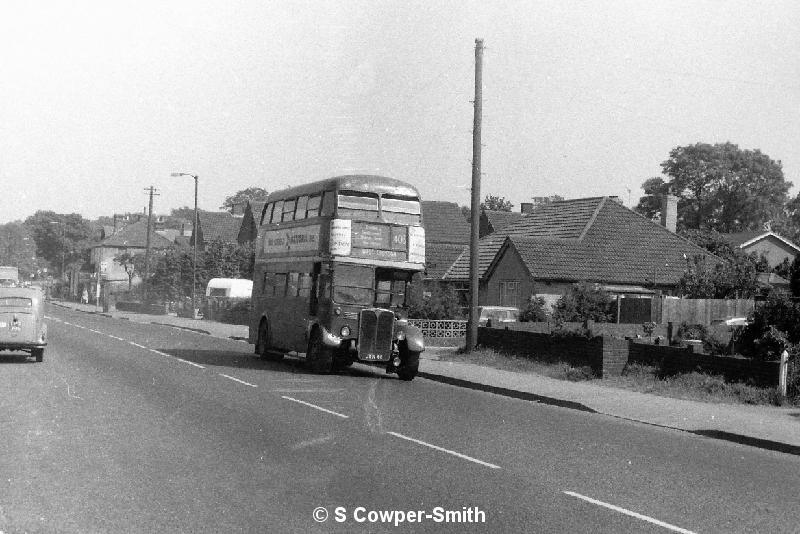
(100, 100)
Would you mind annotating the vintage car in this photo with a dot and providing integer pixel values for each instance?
(22, 326)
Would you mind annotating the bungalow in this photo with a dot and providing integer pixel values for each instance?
(589, 239)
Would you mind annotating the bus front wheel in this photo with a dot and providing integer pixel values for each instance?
(264, 351)
(319, 358)
(409, 364)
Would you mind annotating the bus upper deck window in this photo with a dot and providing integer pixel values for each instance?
(265, 217)
(300, 211)
(288, 210)
(312, 209)
(277, 211)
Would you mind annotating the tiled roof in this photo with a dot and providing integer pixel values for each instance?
(439, 257)
(595, 239)
(218, 226)
(135, 236)
(500, 219)
(444, 222)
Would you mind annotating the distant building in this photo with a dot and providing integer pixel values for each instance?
(447, 232)
(132, 239)
(219, 226)
(773, 247)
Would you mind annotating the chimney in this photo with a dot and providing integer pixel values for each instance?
(669, 212)
(525, 207)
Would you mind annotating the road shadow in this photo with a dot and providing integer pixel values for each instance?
(15, 357)
(290, 364)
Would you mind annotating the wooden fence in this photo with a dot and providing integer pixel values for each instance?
(663, 310)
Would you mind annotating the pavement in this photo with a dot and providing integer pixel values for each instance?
(766, 427)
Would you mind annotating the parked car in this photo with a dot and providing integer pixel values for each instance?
(733, 321)
(497, 315)
(22, 326)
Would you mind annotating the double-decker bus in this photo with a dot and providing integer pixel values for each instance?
(333, 263)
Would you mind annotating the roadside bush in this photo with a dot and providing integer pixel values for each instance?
(534, 311)
(439, 303)
(583, 302)
(774, 326)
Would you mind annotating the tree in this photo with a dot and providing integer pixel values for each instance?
(496, 203)
(251, 194)
(18, 249)
(133, 265)
(721, 186)
(61, 238)
(734, 278)
(794, 277)
(650, 204)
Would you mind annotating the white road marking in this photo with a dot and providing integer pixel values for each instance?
(320, 408)
(191, 363)
(160, 353)
(308, 390)
(95, 331)
(448, 451)
(137, 345)
(240, 381)
(116, 337)
(630, 513)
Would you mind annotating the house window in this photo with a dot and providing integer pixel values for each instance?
(509, 293)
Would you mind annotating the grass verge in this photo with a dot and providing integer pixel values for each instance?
(637, 377)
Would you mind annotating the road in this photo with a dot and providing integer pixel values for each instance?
(127, 427)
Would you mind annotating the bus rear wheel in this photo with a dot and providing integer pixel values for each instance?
(319, 358)
(264, 351)
(409, 365)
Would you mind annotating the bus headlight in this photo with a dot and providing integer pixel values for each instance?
(345, 331)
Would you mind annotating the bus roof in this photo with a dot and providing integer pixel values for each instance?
(355, 182)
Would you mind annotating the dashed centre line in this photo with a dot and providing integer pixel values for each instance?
(442, 449)
(237, 380)
(630, 513)
(320, 408)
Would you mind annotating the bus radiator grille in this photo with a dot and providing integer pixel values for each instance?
(375, 335)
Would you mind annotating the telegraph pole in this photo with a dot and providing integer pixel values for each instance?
(472, 324)
(151, 191)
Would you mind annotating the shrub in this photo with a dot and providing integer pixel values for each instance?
(534, 311)
(439, 303)
(584, 302)
(774, 326)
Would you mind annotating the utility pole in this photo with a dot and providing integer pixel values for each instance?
(472, 324)
(151, 191)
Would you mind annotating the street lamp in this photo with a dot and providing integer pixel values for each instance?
(194, 231)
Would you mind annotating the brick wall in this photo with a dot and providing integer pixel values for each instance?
(576, 351)
(673, 360)
(596, 329)
(608, 356)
